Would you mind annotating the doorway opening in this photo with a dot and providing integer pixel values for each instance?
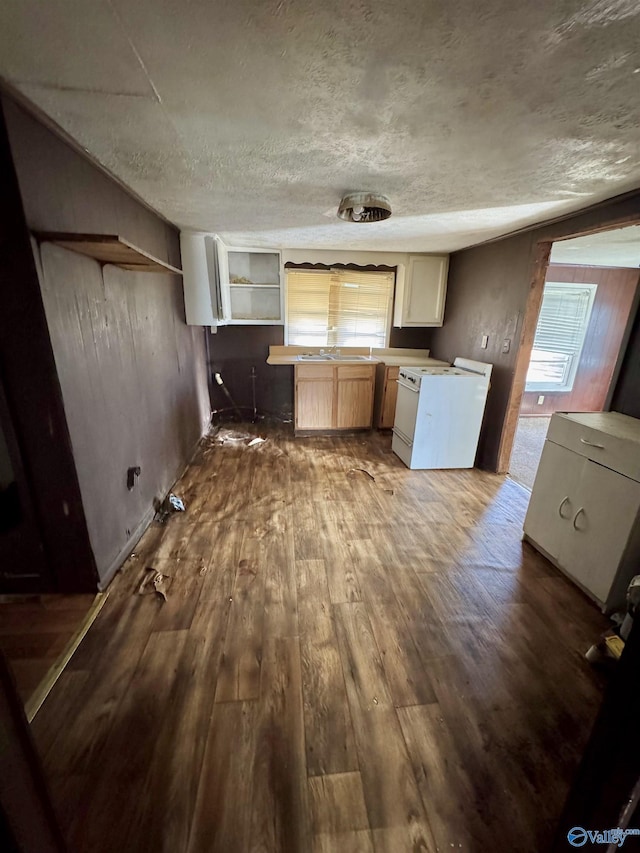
(588, 298)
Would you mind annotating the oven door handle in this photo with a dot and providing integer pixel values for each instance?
(408, 387)
(402, 436)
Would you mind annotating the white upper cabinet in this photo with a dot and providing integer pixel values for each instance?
(224, 285)
(421, 292)
(251, 285)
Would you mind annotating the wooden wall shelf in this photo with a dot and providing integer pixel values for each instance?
(108, 249)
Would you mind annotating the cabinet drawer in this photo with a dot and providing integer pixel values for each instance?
(314, 371)
(356, 371)
(609, 450)
(392, 373)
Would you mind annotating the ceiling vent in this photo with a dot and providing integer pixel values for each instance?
(364, 207)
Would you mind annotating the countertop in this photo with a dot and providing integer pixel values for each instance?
(410, 361)
(393, 357)
(293, 359)
(289, 355)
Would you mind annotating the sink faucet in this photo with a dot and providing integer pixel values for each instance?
(334, 349)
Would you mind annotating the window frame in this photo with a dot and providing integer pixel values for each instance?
(339, 268)
(567, 386)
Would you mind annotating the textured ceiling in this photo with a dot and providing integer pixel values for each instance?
(618, 248)
(251, 119)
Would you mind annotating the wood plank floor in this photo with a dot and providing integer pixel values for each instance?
(342, 665)
(35, 630)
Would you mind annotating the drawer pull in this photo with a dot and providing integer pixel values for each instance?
(575, 518)
(562, 503)
(592, 444)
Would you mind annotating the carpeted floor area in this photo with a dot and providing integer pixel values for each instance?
(527, 449)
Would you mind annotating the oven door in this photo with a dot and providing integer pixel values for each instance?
(404, 424)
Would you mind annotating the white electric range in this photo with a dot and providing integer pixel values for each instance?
(439, 414)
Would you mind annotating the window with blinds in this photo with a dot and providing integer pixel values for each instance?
(340, 308)
(560, 334)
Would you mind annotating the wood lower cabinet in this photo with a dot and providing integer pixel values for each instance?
(333, 397)
(386, 396)
(314, 396)
(584, 512)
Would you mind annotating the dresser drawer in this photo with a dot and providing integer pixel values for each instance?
(597, 436)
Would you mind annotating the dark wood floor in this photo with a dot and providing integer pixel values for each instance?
(34, 632)
(337, 667)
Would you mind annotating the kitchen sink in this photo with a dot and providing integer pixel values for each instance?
(335, 357)
(332, 356)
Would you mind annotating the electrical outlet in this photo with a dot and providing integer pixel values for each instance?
(485, 341)
(506, 345)
(541, 399)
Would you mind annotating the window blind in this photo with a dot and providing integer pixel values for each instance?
(339, 308)
(560, 334)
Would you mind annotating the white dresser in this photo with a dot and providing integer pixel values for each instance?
(584, 513)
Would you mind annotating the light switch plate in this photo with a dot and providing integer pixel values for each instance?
(485, 341)
(506, 345)
(541, 399)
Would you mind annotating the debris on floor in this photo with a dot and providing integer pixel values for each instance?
(369, 475)
(611, 644)
(171, 503)
(154, 582)
(233, 437)
(363, 471)
(176, 504)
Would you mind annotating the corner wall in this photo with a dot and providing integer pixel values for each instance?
(132, 373)
(487, 294)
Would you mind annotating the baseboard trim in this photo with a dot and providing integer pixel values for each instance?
(36, 700)
(132, 541)
(147, 518)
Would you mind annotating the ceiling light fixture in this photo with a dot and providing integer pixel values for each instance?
(364, 207)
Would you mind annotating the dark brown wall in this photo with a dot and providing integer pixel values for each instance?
(132, 373)
(50, 549)
(609, 316)
(411, 338)
(626, 396)
(233, 351)
(487, 293)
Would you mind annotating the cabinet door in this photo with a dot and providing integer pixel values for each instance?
(200, 280)
(553, 502)
(604, 512)
(251, 285)
(424, 290)
(314, 404)
(355, 403)
(389, 398)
